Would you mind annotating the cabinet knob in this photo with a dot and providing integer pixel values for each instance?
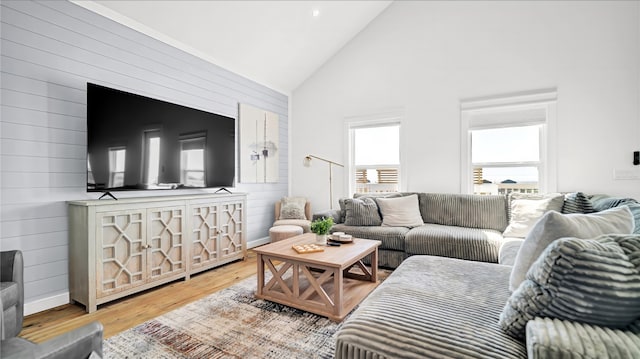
(146, 246)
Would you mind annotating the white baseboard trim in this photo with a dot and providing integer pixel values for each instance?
(258, 242)
(43, 304)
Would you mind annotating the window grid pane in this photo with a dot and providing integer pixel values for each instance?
(504, 180)
(153, 161)
(509, 144)
(377, 179)
(377, 145)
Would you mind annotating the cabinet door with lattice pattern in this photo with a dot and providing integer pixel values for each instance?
(204, 234)
(121, 256)
(232, 240)
(166, 253)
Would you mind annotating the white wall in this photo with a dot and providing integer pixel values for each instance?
(50, 50)
(424, 57)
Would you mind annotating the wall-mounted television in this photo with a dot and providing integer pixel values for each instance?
(140, 143)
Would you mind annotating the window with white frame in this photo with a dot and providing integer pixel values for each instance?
(375, 157)
(117, 156)
(507, 144)
(151, 157)
(192, 173)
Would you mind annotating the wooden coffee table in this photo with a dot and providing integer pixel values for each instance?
(329, 283)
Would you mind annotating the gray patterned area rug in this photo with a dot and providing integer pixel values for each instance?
(230, 323)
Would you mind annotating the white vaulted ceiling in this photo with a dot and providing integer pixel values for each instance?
(276, 43)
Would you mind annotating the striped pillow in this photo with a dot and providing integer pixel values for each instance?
(464, 210)
(361, 212)
(593, 281)
(577, 203)
(554, 225)
(343, 208)
(635, 212)
(553, 338)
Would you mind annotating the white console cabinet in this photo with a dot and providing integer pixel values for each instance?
(117, 248)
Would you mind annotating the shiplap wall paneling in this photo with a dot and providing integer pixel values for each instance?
(50, 50)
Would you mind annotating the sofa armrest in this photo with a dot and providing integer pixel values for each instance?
(554, 338)
(335, 213)
(12, 270)
(79, 343)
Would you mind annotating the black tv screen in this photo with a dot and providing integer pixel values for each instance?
(138, 143)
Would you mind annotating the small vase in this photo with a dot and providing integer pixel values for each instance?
(321, 239)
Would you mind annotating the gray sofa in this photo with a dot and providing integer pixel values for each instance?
(455, 225)
(436, 306)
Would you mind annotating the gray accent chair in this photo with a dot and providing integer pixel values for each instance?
(12, 293)
(81, 343)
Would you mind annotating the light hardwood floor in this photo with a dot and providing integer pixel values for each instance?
(130, 311)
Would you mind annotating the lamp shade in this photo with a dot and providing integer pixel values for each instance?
(307, 161)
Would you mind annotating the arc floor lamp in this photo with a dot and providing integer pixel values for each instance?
(307, 163)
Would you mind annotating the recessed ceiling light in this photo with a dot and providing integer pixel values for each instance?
(315, 12)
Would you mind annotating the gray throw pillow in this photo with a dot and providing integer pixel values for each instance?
(577, 202)
(361, 212)
(343, 209)
(554, 225)
(593, 281)
(293, 208)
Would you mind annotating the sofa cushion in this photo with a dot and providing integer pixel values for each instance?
(554, 225)
(594, 281)
(464, 210)
(362, 212)
(577, 202)
(400, 211)
(526, 209)
(432, 307)
(292, 208)
(456, 242)
(391, 237)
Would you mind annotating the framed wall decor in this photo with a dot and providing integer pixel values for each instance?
(259, 156)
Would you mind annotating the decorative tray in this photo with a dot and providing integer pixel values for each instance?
(307, 248)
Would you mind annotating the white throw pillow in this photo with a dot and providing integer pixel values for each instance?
(526, 210)
(400, 211)
(554, 225)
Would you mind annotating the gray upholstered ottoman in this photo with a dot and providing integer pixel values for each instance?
(433, 307)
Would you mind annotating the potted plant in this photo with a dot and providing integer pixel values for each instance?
(321, 228)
